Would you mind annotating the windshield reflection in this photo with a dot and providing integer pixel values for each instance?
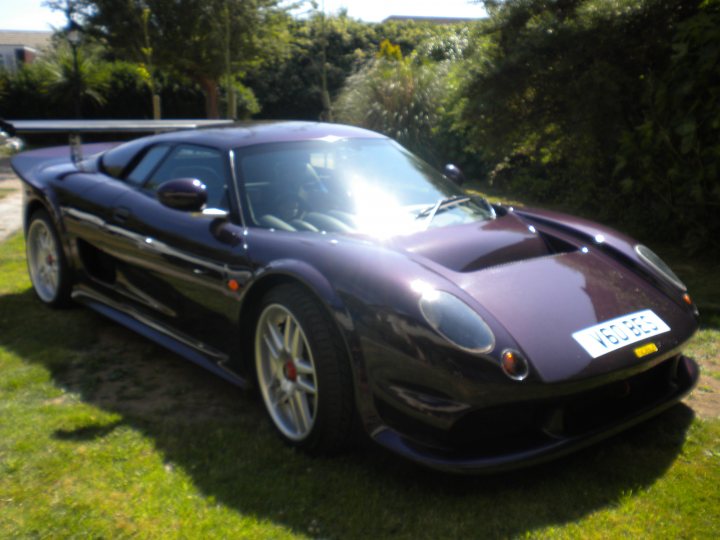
(366, 186)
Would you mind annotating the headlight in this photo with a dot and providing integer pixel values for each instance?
(456, 321)
(651, 258)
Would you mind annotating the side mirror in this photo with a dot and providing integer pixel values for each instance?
(187, 194)
(454, 173)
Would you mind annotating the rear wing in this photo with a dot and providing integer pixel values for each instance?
(75, 128)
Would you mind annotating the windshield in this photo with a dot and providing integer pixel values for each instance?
(367, 186)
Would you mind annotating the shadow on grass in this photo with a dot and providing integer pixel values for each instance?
(220, 437)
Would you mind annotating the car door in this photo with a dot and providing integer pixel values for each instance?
(185, 269)
(86, 201)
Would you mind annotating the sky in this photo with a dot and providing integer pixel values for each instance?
(31, 15)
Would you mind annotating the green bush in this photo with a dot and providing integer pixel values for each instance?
(395, 96)
(24, 94)
(107, 89)
(409, 98)
(609, 107)
(670, 161)
(290, 85)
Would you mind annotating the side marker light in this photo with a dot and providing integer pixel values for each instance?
(233, 285)
(514, 365)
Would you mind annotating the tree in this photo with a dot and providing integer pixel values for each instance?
(557, 83)
(64, 87)
(74, 10)
(606, 106)
(671, 159)
(201, 39)
(291, 86)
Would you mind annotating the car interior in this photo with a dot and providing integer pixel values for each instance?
(293, 195)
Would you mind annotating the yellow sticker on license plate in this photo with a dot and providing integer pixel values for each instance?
(645, 350)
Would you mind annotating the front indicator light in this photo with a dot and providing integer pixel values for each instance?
(686, 298)
(233, 285)
(514, 365)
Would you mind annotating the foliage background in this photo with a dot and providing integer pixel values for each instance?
(607, 107)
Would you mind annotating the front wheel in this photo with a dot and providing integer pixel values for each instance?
(303, 371)
(48, 269)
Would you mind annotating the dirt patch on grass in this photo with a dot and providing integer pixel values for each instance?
(705, 399)
(10, 200)
(705, 349)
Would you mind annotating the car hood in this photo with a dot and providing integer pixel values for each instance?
(541, 297)
(541, 302)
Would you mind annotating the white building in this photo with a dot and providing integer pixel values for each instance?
(19, 47)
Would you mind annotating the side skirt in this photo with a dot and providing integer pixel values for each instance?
(210, 360)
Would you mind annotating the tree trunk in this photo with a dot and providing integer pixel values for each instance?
(212, 97)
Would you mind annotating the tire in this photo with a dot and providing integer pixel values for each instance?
(303, 372)
(47, 266)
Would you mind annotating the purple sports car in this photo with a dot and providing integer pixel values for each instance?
(354, 285)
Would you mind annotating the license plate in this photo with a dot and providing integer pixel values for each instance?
(616, 333)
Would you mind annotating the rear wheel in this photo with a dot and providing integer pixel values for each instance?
(303, 372)
(48, 269)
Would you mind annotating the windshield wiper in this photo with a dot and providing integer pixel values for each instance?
(442, 204)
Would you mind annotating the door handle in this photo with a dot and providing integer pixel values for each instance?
(121, 214)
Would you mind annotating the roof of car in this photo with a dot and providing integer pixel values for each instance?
(268, 132)
(116, 161)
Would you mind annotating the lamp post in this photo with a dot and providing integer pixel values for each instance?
(74, 37)
(326, 114)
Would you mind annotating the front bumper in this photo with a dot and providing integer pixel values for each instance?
(559, 426)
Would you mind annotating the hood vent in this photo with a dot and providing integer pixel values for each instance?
(473, 247)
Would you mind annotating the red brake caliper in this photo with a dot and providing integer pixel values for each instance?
(290, 370)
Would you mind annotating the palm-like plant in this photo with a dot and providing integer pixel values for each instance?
(396, 95)
(65, 85)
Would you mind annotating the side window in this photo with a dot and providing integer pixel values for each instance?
(146, 165)
(204, 164)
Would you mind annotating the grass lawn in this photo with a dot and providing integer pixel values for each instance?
(105, 435)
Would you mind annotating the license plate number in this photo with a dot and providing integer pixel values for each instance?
(616, 333)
